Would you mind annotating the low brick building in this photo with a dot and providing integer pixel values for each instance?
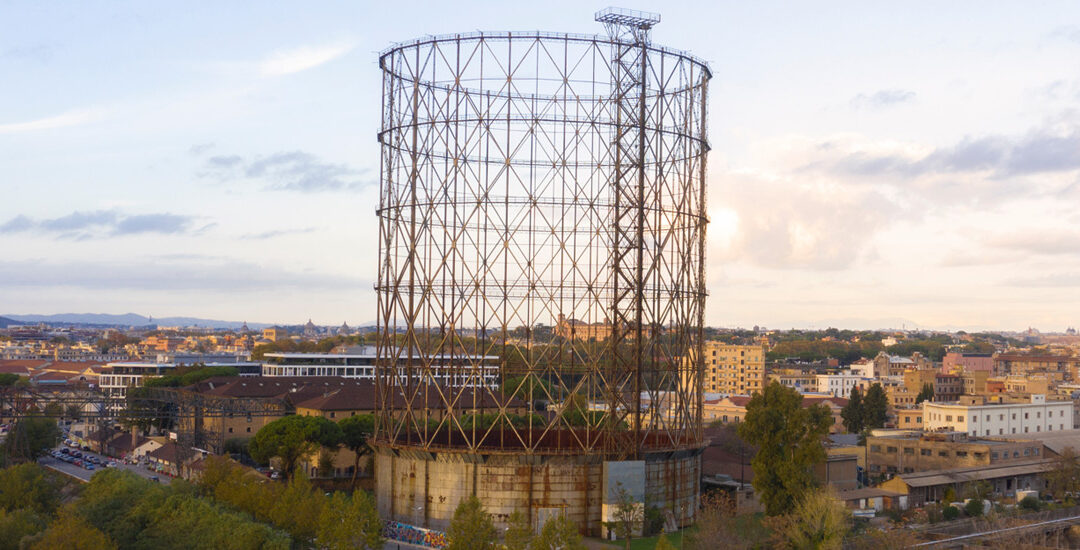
(907, 453)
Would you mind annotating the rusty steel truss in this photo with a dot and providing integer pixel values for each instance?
(542, 202)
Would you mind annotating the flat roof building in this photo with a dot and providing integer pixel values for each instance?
(976, 417)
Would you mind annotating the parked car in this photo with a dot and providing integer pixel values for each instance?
(88, 466)
(155, 479)
(77, 463)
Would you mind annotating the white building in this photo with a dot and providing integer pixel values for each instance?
(863, 367)
(978, 418)
(446, 370)
(840, 384)
(116, 378)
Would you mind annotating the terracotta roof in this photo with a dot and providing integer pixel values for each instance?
(72, 366)
(168, 452)
(737, 400)
(15, 369)
(838, 401)
(327, 392)
(122, 442)
(352, 397)
(55, 376)
(808, 400)
(12, 365)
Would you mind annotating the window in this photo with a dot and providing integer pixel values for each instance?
(987, 418)
(925, 452)
(973, 418)
(993, 455)
(1027, 452)
(943, 453)
(961, 454)
(230, 430)
(891, 450)
(249, 429)
(1027, 415)
(948, 418)
(909, 451)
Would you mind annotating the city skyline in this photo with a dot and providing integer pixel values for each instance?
(871, 166)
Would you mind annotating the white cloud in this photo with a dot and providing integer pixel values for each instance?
(64, 120)
(303, 58)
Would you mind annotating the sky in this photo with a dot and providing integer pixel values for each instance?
(873, 164)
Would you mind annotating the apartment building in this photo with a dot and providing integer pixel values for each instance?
(1016, 363)
(977, 417)
(840, 384)
(734, 369)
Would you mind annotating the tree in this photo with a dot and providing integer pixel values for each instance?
(852, 413)
(355, 431)
(8, 379)
(31, 437)
(789, 440)
(16, 525)
(292, 438)
(71, 532)
(559, 533)
(875, 407)
(519, 533)
(471, 527)
(819, 521)
(347, 523)
(297, 509)
(627, 517)
(29, 487)
(1063, 480)
(715, 522)
(926, 394)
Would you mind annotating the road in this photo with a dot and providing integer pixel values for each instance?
(84, 475)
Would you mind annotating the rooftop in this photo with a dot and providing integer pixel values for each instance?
(963, 475)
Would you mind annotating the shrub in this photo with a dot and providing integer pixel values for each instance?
(950, 512)
(1029, 503)
(974, 507)
(654, 521)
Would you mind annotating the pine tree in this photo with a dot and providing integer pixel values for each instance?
(852, 413)
(926, 394)
(471, 528)
(875, 407)
(519, 533)
(559, 533)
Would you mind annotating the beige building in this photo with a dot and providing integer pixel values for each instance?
(733, 369)
(906, 453)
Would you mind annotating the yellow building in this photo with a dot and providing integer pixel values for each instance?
(732, 369)
(274, 334)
